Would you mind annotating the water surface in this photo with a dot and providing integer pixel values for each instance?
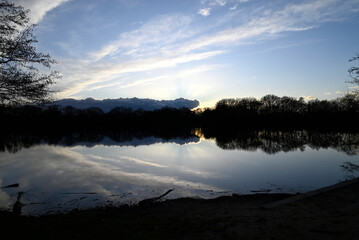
(61, 177)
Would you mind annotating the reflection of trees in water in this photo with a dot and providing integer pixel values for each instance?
(344, 142)
(269, 141)
(272, 142)
(15, 142)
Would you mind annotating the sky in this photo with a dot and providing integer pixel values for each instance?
(198, 49)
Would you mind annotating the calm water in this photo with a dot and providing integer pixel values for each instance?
(58, 178)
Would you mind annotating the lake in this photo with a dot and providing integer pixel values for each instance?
(71, 173)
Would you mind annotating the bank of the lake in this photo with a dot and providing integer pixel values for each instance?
(332, 214)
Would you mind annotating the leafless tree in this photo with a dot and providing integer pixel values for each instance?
(20, 78)
(354, 73)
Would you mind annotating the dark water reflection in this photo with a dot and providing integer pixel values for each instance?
(268, 141)
(15, 142)
(272, 142)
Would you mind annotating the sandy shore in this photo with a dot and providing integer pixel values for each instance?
(332, 214)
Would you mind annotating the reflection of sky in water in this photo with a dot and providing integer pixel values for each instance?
(56, 178)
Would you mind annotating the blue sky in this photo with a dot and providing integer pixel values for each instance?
(198, 49)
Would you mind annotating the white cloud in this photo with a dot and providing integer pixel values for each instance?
(234, 7)
(39, 8)
(205, 12)
(307, 98)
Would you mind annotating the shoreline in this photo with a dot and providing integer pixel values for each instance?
(329, 214)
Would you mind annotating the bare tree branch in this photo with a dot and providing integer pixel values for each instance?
(20, 80)
(354, 71)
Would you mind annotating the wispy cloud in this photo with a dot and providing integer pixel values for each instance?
(149, 38)
(127, 83)
(39, 8)
(168, 41)
(335, 93)
(214, 2)
(270, 23)
(168, 31)
(143, 162)
(88, 73)
(234, 7)
(221, 2)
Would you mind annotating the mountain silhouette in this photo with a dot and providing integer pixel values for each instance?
(134, 103)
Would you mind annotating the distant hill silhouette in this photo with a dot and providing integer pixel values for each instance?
(134, 103)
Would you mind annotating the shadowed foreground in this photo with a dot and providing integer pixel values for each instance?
(329, 215)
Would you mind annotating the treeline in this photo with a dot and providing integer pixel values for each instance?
(284, 112)
(269, 112)
(54, 118)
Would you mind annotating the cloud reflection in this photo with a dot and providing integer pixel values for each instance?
(47, 172)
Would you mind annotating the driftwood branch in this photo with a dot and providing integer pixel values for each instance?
(151, 200)
(12, 186)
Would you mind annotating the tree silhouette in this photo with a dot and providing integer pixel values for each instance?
(354, 71)
(354, 75)
(20, 79)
